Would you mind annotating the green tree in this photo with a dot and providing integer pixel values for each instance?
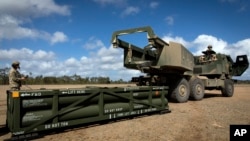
(4, 79)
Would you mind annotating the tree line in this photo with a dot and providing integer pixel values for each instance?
(73, 79)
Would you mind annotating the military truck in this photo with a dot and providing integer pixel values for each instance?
(171, 64)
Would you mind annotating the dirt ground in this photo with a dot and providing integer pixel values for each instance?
(204, 120)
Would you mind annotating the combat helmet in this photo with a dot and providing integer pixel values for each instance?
(16, 64)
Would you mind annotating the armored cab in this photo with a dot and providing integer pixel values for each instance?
(220, 66)
(171, 64)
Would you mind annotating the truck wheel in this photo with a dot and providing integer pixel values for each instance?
(228, 89)
(196, 89)
(181, 91)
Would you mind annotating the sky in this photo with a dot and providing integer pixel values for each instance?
(65, 37)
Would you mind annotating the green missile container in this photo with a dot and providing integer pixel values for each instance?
(31, 111)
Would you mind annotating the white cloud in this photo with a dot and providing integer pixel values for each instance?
(177, 39)
(109, 58)
(9, 20)
(230, 1)
(93, 43)
(26, 54)
(40, 54)
(123, 4)
(58, 37)
(111, 2)
(202, 41)
(108, 51)
(10, 29)
(240, 47)
(72, 62)
(240, 5)
(15, 14)
(32, 8)
(127, 74)
(153, 4)
(130, 10)
(243, 8)
(169, 20)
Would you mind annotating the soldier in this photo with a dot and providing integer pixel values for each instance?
(15, 78)
(209, 48)
(209, 52)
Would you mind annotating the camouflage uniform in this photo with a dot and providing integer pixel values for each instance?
(209, 52)
(15, 78)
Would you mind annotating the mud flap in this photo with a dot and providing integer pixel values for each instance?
(240, 66)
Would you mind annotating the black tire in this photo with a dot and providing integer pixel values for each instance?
(196, 89)
(228, 89)
(181, 91)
